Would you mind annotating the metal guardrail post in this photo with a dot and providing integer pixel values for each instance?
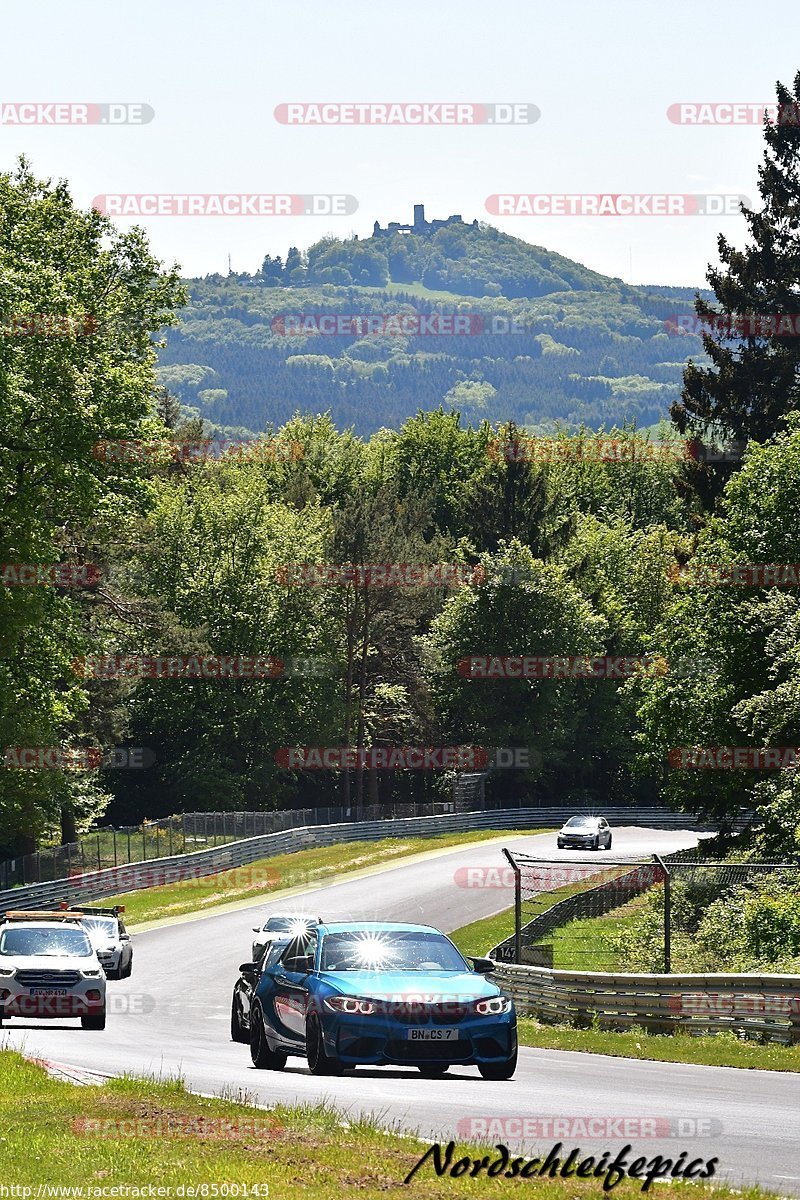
(667, 916)
(517, 907)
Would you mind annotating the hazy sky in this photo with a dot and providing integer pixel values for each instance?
(603, 76)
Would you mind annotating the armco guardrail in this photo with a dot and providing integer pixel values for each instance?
(158, 871)
(763, 1004)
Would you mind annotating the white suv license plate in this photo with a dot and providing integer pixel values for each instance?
(432, 1035)
(48, 991)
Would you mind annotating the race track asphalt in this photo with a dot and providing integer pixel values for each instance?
(172, 1017)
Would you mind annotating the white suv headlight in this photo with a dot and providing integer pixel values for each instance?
(7, 971)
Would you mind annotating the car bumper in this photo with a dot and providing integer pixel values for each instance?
(377, 1041)
(18, 1002)
(576, 843)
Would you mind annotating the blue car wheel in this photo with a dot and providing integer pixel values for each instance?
(319, 1061)
(502, 1070)
(263, 1058)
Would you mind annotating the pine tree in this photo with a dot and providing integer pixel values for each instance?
(752, 380)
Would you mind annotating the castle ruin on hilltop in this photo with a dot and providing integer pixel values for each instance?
(420, 224)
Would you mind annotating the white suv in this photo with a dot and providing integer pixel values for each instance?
(49, 969)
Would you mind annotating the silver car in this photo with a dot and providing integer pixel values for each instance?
(585, 833)
(106, 930)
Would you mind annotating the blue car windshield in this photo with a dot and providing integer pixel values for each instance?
(389, 950)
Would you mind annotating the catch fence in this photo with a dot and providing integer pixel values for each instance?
(622, 914)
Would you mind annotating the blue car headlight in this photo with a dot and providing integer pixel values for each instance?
(352, 1005)
(496, 1006)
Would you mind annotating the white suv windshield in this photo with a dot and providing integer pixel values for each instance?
(22, 942)
(580, 823)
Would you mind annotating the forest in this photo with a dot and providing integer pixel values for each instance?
(224, 595)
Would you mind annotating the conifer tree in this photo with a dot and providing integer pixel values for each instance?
(752, 380)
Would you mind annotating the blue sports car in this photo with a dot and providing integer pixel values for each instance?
(377, 993)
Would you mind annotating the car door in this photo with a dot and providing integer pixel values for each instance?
(249, 980)
(126, 949)
(285, 1000)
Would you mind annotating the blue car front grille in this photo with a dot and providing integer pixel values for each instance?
(413, 1013)
(428, 1051)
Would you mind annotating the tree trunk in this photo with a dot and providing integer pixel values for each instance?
(69, 832)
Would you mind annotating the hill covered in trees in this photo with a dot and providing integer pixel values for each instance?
(420, 315)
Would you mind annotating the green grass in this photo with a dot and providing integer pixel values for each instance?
(424, 293)
(479, 937)
(712, 1050)
(139, 1133)
(259, 880)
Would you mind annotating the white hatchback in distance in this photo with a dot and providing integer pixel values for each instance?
(585, 833)
(49, 969)
(294, 924)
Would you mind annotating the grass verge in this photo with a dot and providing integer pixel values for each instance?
(258, 880)
(136, 1133)
(710, 1050)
